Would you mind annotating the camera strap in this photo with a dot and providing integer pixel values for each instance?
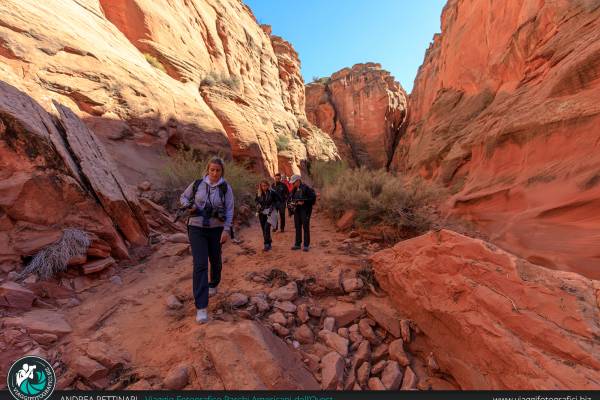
(208, 194)
(222, 187)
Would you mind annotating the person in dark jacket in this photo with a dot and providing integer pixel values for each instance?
(283, 192)
(211, 199)
(302, 199)
(267, 202)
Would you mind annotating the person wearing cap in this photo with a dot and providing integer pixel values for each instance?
(302, 199)
(282, 190)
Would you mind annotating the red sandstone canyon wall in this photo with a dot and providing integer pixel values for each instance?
(363, 109)
(505, 111)
(148, 76)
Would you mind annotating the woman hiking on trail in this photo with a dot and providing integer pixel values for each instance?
(211, 199)
(267, 203)
(283, 192)
(302, 200)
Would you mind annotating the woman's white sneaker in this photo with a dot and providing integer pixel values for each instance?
(201, 316)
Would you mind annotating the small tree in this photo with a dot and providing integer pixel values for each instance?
(282, 142)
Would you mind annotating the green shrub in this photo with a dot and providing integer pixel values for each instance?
(214, 78)
(282, 142)
(380, 197)
(187, 165)
(324, 173)
(243, 182)
(183, 167)
(154, 62)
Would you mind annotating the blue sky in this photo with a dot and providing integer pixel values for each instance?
(332, 34)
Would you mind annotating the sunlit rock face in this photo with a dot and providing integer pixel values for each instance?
(149, 76)
(363, 109)
(492, 319)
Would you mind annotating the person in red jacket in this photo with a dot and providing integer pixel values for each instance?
(286, 182)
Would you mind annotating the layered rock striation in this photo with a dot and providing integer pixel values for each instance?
(494, 320)
(55, 175)
(97, 93)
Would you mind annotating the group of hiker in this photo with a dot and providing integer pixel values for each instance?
(211, 202)
(273, 199)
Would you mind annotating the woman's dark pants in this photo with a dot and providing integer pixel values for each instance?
(266, 228)
(206, 246)
(302, 223)
(282, 209)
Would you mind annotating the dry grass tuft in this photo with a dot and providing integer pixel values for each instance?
(187, 165)
(380, 197)
(54, 258)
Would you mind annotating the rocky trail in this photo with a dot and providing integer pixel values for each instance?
(91, 102)
(281, 319)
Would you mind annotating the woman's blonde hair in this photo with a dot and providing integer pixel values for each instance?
(218, 161)
(260, 184)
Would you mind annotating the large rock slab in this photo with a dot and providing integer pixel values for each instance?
(535, 327)
(116, 197)
(335, 341)
(88, 368)
(385, 316)
(391, 377)
(332, 371)
(14, 295)
(41, 321)
(247, 356)
(344, 313)
(40, 173)
(288, 292)
(97, 266)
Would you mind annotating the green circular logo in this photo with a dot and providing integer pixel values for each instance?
(31, 378)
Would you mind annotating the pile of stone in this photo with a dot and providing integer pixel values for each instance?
(345, 346)
(35, 332)
(363, 353)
